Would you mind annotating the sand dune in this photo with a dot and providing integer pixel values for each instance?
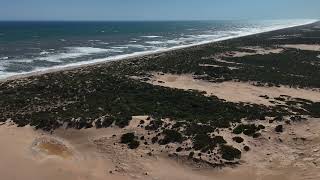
(233, 91)
(93, 155)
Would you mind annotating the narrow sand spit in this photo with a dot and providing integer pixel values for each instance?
(306, 47)
(233, 91)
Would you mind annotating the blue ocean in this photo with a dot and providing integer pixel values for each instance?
(36, 46)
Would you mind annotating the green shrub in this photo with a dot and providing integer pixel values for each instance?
(238, 139)
(279, 129)
(171, 136)
(205, 143)
(229, 153)
(127, 138)
(130, 140)
(134, 144)
(247, 129)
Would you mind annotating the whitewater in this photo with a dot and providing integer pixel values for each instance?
(55, 45)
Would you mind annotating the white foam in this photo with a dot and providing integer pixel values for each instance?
(173, 41)
(44, 52)
(152, 37)
(21, 60)
(203, 40)
(74, 52)
(105, 43)
(155, 42)
(120, 47)
(140, 46)
(4, 58)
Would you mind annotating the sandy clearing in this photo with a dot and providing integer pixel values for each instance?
(269, 159)
(217, 66)
(96, 157)
(233, 91)
(306, 47)
(291, 155)
(258, 51)
(20, 161)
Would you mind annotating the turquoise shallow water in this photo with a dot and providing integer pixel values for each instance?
(33, 46)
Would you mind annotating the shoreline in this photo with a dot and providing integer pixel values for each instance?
(144, 54)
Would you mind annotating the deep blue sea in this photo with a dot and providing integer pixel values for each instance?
(35, 46)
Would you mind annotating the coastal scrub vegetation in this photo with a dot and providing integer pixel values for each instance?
(105, 95)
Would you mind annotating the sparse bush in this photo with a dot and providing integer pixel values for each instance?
(229, 153)
(171, 136)
(127, 138)
(238, 139)
(154, 139)
(154, 125)
(246, 148)
(179, 149)
(205, 143)
(247, 129)
(130, 140)
(134, 144)
(279, 129)
(191, 154)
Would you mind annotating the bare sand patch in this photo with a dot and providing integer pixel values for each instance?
(258, 51)
(306, 47)
(253, 50)
(102, 157)
(20, 161)
(286, 36)
(233, 91)
(217, 66)
(291, 155)
(52, 147)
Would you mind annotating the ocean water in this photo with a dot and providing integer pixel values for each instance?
(36, 46)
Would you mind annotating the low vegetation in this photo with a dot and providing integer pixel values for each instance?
(106, 95)
(131, 140)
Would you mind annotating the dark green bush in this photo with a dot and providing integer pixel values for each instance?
(171, 136)
(279, 128)
(205, 143)
(134, 144)
(238, 139)
(127, 138)
(229, 153)
(130, 140)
